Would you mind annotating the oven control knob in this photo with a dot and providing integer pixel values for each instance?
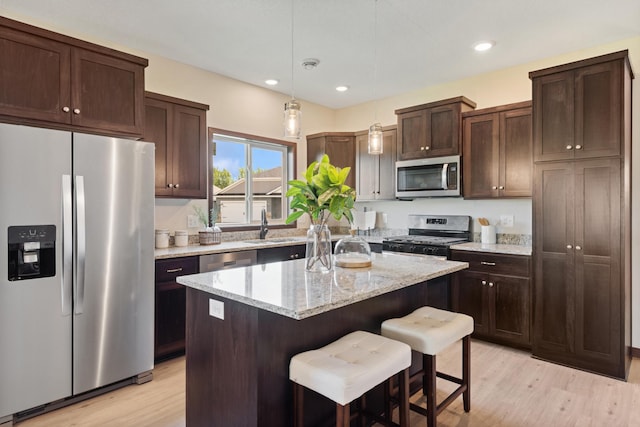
(413, 249)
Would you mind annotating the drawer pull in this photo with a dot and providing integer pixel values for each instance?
(487, 263)
(491, 284)
(484, 282)
(174, 270)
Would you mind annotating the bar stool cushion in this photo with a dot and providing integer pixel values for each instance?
(428, 330)
(347, 368)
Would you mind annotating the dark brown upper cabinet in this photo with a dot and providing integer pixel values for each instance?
(375, 174)
(51, 80)
(578, 110)
(433, 129)
(339, 146)
(179, 129)
(497, 152)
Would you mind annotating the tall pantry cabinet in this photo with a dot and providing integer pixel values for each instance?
(582, 214)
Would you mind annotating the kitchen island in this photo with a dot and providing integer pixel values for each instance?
(245, 324)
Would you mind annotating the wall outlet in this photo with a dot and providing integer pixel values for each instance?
(192, 221)
(506, 220)
(216, 308)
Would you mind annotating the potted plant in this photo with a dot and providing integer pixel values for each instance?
(321, 194)
(211, 234)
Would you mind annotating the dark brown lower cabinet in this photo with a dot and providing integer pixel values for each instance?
(496, 292)
(171, 305)
(280, 253)
(581, 305)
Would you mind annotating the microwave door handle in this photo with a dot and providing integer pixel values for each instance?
(445, 183)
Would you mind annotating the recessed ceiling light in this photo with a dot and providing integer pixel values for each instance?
(271, 82)
(483, 46)
(342, 88)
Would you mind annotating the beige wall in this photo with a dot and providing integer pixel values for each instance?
(251, 109)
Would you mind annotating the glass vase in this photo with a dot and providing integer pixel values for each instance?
(318, 255)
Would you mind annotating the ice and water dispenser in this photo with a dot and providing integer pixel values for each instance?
(32, 251)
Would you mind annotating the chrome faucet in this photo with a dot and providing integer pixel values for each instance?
(263, 224)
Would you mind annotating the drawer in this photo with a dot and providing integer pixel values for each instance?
(513, 265)
(168, 269)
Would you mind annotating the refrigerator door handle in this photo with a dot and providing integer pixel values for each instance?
(80, 244)
(67, 246)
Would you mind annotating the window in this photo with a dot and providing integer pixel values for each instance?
(249, 174)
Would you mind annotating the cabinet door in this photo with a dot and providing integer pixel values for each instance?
(481, 156)
(443, 131)
(189, 145)
(170, 305)
(553, 112)
(342, 153)
(34, 77)
(598, 107)
(157, 127)
(470, 297)
(412, 131)
(516, 156)
(367, 170)
(553, 231)
(599, 296)
(387, 167)
(106, 93)
(510, 304)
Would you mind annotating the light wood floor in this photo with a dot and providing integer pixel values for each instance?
(508, 388)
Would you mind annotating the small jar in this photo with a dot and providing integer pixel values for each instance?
(181, 238)
(352, 252)
(162, 239)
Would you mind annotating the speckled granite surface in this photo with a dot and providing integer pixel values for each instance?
(494, 248)
(287, 289)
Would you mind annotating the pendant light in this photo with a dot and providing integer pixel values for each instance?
(292, 113)
(374, 145)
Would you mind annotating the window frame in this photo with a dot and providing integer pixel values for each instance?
(292, 159)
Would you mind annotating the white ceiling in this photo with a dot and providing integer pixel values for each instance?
(420, 42)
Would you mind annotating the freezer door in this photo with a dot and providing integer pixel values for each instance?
(114, 260)
(35, 319)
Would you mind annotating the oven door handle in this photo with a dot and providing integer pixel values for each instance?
(445, 181)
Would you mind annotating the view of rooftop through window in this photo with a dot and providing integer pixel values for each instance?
(249, 175)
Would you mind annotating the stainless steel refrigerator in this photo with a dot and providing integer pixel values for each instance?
(76, 264)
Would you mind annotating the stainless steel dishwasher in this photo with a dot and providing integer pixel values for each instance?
(215, 262)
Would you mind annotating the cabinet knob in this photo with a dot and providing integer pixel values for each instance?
(491, 284)
(76, 111)
(177, 186)
(66, 109)
(427, 147)
(421, 148)
(578, 147)
(501, 187)
(170, 185)
(569, 247)
(494, 188)
(569, 147)
(484, 282)
(578, 248)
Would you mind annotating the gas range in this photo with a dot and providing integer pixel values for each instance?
(431, 235)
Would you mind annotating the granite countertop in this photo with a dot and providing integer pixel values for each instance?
(243, 245)
(494, 248)
(287, 289)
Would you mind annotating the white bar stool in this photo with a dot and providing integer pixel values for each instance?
(430, 330)
(346, 369)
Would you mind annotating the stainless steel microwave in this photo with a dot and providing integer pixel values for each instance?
(434, 177)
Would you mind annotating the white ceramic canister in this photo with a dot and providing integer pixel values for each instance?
(181, 238)
(488, 234)
(162, 239)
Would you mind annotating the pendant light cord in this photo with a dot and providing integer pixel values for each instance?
(375, 59)
(292, 77)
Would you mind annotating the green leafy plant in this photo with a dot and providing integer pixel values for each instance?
(322, 191)
(203, 217)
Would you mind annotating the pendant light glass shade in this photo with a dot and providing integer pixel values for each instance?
(292, 116)
(375, 139)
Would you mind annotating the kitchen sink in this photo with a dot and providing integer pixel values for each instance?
(276, 240)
